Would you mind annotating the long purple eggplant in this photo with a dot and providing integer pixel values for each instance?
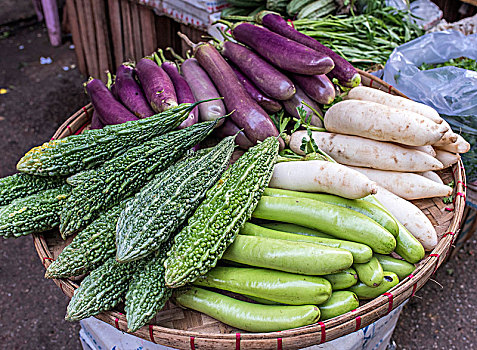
(95, 121)
(318, 87)
(296, 101)
(157, 85)
(130, 93)
(110, 110)
(267, 103)
(282, 52)
(343, 70)
(266, 77)
(248, 115)
(182, 89)
(229, 129)
(203, 89)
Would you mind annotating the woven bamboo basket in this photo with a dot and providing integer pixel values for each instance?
(185, 329)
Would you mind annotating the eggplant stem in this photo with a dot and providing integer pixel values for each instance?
(187, 40)
(209, 37)
(174, 54)
(188, 54)
(111, 78)
(161, 55)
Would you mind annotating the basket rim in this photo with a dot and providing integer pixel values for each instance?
(322, 331)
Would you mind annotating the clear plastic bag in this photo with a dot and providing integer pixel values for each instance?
(450, 90)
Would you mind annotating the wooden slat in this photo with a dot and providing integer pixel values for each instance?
(93, 64)
(102, 38)
(166, 30)
(76, 34)
(127, 30)
(115, 22)
(83, 35)
(148, 30)
(136, 31)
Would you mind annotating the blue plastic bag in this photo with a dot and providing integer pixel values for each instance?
(451, 91)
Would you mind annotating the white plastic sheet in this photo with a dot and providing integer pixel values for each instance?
(451, 91)
(97, 335)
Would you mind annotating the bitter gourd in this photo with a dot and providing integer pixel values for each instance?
(167, 201)
(122, 176)
(217, 220)
(22, 185)
(101, 290)
(93, 147)
(90, 248)
(35, 213)
(147, 292)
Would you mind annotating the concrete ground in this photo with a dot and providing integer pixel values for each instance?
(443, 315)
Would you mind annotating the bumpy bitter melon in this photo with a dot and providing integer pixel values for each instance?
(93, 147)
(35, 213)
(101, 290)
(167, 201)
(122, 176)
(217, 220)
(90, 248)
(22, 185)
(147, 292)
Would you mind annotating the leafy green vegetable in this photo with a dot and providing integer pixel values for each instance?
(461, 62)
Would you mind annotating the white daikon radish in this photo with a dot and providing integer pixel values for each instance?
(432, 176)
(374, 95)
(358, 151)
(426, 149)
(321, 176)
(410, 216)
(446, 158)
(406, 185)
(460, 146)
(379, 122)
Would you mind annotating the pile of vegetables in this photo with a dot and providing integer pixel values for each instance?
(461, 62)
(308, 219)
(293, 8)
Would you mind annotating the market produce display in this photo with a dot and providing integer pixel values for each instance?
(310, 218)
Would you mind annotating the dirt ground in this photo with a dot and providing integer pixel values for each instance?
(443, 315)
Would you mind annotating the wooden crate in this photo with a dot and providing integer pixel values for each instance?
(109, 32)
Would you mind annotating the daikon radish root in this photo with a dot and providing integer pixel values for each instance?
(410, 216)
(406, 185)
(448, 138)
(460, 146)
(358, 151)
(379, 122)
(446, 158)
(432, 176)
(426, 149)
(321, 176)
(374, 95)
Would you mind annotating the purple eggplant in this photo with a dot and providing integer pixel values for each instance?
(96, 122)
(343, 70)
(282, 52)
(183, 91)
(229, 129)
(203, 89)
(296, 101)
(266, 77)
(130, 93)
(318, 87)
(267, 103)
(110, 110)
(157, 85)
(247, 114)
